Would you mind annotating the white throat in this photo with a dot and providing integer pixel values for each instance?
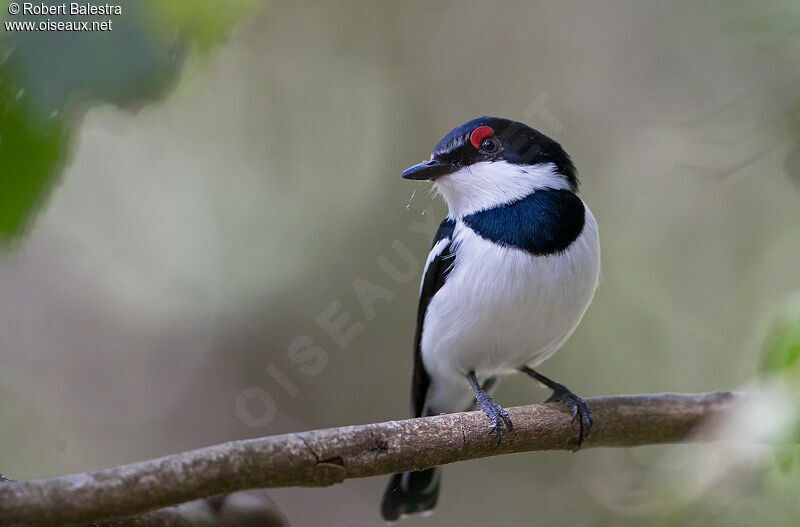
(489, 184)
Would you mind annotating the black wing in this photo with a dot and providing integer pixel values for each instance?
(435, 275)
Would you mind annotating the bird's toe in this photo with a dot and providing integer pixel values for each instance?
(580, 412)
(499, 417)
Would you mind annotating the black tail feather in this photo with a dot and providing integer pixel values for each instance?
(410, 492)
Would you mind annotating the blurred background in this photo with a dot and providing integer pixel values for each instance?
(187, 199)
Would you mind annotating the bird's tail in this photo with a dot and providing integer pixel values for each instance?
(410, 492)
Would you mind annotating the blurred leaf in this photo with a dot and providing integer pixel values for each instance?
(49, 79)
(784, 350)
(780, 367)
(784, 458)
(47, 82)
(31, 148)
(782, 346)
(206, 22)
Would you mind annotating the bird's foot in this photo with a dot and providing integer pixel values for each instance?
(580, 411)
(496, 414)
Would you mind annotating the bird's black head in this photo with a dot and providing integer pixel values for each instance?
(491, 139)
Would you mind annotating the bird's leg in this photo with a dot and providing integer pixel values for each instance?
(491, 408)
(580, 410)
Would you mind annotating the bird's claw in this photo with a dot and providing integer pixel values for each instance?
(497, 415)
(580, 412)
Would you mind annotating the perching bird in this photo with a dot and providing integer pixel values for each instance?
(513, 268)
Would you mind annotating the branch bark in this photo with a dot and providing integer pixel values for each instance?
(323, 457)
(253, 508)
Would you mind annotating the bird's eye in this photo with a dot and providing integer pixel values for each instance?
(490, 145)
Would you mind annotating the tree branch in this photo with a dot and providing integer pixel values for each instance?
(325, 457)
(253, 508)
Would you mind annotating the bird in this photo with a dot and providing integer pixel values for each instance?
(513, 268)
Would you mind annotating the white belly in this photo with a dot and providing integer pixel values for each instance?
(502, 308)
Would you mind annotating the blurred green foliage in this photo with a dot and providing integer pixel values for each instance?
(205, 22)
(48, 80)
(31, 148)
(782, 345)
(784, 349)
(780, 367)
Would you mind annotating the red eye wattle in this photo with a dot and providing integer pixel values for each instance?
(479, 134)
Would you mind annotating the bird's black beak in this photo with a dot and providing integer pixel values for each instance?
(429, 170)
